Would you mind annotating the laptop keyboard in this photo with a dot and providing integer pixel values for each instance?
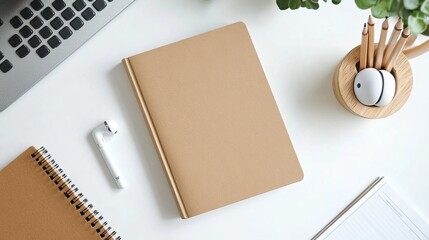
(47, 22)
(45, 32)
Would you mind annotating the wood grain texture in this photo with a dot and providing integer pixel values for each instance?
(343, 86)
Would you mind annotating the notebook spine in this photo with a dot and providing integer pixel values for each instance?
(151, 126)
(71, 193)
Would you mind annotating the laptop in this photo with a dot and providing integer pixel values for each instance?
(37, 35)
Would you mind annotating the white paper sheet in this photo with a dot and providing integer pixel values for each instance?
(379, 215)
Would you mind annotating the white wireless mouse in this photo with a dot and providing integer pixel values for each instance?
(374, 87)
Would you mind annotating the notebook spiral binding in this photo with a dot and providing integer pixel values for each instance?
(70, 191)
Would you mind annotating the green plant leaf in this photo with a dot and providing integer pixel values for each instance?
(424, 8)
(381, 9)
(417, 25)
(404, 14)
(411, 4)
(311, 5)
(294, 4)
(394, 8)
(283, 4)
(365, 4)
(426, 32)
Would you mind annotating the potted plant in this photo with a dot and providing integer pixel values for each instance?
(414, 14)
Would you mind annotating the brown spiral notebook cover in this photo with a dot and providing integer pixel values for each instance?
(214, 120)
(38, 201)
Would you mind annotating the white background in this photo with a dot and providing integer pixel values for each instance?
(340, 153)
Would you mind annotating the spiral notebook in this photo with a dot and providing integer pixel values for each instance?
(38, 201)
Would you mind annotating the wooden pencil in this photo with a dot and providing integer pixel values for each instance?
(398, 49)
(370, 61)
(417, 50)
(363, 48)
(381, 44)
(392, 42)
(410, 41)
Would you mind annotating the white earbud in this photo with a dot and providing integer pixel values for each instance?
(108, 128)
(374, 87)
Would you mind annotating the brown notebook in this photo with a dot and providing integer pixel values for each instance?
(214, 120)
(38, 201)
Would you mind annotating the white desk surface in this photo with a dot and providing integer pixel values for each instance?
(299, 50)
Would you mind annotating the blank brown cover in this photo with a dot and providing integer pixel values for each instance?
(32, 207)
(213, 119)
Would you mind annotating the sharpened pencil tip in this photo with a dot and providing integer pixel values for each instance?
(370, 21)
(406, 32)
(365, 29)
(399, 25)
(385, 24)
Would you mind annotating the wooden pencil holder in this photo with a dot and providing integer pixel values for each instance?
(343, 86)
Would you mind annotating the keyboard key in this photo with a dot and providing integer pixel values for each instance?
(22, 51)
(26, 13)
(43, 51)
(54, 42)
(65, 33)
(59, 4)
(16, 22)
(88, 14)
(15, 40)
(1, 55)
(36, 5)
(34, 41)
(57, 23)
(45, 32)
(36, 22)
(79, 5)
(47, 13)
(76, 23)
(5, 66)
(68, 14)
(99, 5)
(25, 31)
